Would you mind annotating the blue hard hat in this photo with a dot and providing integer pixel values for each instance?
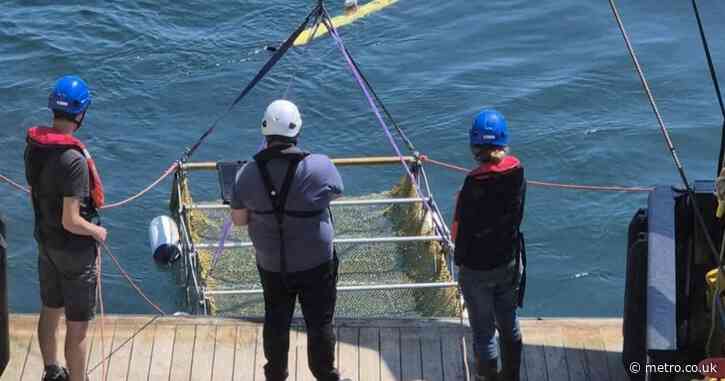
(70, 95)
(489, 128)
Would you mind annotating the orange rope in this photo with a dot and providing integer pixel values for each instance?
(546, 184)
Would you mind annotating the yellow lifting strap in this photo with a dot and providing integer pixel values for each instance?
(345, 19)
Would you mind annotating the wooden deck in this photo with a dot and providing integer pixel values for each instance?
(380, 350)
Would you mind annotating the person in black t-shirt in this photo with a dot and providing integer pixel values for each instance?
(66, 191)
(489, 247)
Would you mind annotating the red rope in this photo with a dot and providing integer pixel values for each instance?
(151, 186)
(138, 290)
(14, 184)
(131, 281)
(166, 174)
(546, 184)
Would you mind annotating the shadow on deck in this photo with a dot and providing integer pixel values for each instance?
(378, 350)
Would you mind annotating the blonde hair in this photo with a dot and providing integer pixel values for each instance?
(489, 154)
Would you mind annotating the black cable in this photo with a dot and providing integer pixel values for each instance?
(399, 129)
(278, 54)
(401, 132)
(665, 132)
(715, 82)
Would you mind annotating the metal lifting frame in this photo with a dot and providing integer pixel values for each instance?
(197, 294)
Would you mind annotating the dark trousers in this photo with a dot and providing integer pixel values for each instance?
(316, 289)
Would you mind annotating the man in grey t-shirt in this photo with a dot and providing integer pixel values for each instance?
(66, 191)
(283, 195)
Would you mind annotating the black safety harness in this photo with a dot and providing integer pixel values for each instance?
(279, 198)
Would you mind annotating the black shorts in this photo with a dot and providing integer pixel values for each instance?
(68, 279)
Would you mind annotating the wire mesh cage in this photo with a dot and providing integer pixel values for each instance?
(394, 262)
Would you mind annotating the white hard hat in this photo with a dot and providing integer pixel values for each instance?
(282, 118)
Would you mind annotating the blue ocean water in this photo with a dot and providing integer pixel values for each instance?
(161, 71)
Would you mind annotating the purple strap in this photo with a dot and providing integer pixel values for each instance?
(220, 248)
(374, 107)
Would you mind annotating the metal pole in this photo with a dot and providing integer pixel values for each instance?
(382, 201)
(343, 162)
(238, 245)
(384, 287)
(666, 134)
(715, 82)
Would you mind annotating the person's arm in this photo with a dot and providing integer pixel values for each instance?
(74, 223)
(240, 217)
(240, 213)
(75, 186)
(334, 182)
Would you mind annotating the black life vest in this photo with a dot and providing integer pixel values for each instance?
(293, 155)
(45, 145)
(488, 216)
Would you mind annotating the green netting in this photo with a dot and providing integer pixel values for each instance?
(360, 264)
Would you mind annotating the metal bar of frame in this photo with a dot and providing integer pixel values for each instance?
(382, 287)
(190, 263)
(344, 162)
(423, 238)
(420, 177)
(382, 201)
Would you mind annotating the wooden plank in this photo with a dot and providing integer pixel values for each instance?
(369, 354)
(141, 353)
(451, 347)
(20, 343)
(390, 354)
(33, 369)
(225, 339)
(453, 369)
(613, 341)
(183, 354)
(22, 334)
(259, 359)
(100, 348)
(303, 368)
(203, 357)
(575, 354)
(556, 365)
(163, 352)
(244, 361)
(120, 361)
(410, 354)
(534, 341)
(431, 356)
(348, 353)
(595, 355)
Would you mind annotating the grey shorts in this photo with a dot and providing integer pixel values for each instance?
(68, 279)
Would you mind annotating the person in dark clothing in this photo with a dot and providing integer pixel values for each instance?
(489, 247)
(283, 195)
(66, 191)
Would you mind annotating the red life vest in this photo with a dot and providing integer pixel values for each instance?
(508, 163)
(46, 137)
